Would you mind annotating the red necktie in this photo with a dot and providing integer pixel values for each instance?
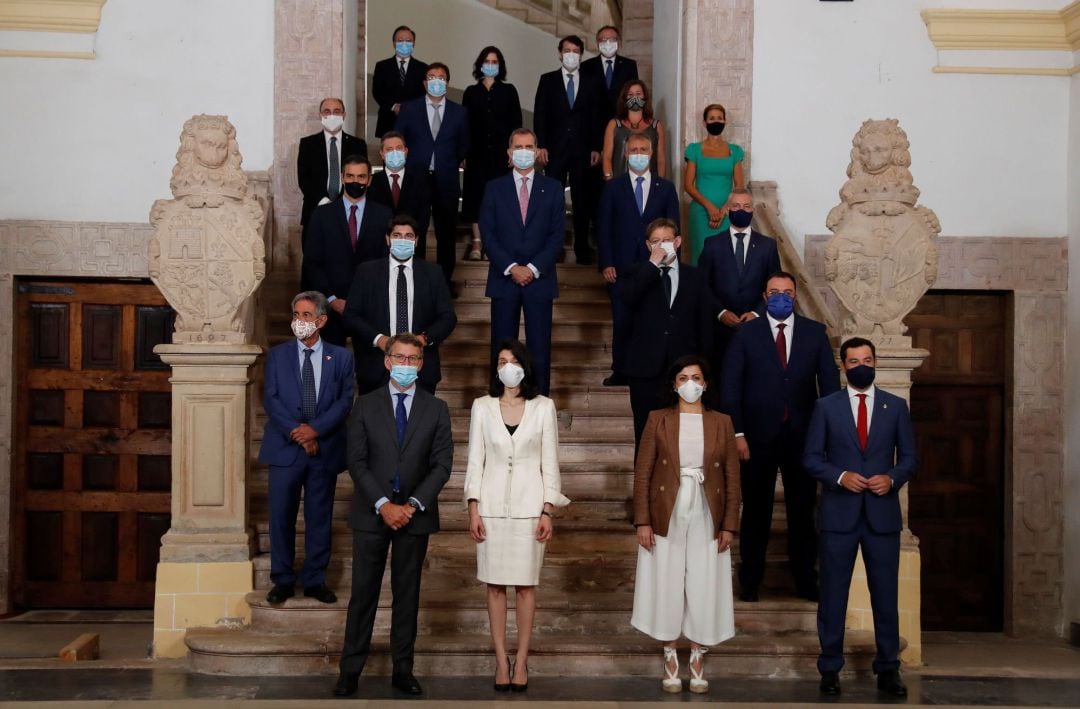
(861, 426)
(781, 352)
(352, 226)
(395, 189)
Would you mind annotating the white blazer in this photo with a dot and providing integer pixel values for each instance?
(513, 476)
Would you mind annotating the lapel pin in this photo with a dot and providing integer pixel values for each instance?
(884, 406)
(328, 358)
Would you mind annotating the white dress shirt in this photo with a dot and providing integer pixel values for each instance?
(392, 295)
(674, 275)
(790, 328)
(518, 177)
(644, 185)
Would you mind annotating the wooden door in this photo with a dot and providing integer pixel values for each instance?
(957, 497)
(92, 470)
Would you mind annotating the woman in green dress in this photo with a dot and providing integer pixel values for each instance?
(713, 168)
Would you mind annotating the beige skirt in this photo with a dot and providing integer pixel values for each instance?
(510, 555)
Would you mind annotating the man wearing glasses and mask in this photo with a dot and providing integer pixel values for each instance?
(400, 452)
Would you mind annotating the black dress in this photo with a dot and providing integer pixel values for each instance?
(493, 114)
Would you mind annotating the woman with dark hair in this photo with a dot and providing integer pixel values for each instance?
(633, 114)
(493, 112)
(512, 486)
(686, 510)
(713, 168)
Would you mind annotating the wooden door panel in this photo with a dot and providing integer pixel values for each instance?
(93, 466)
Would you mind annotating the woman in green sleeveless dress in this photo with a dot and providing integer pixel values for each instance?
(713, 168)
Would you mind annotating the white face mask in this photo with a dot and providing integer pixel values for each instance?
(570, 60)
(690, 391)
(608, 48)
(668, 247)
(333, 123)
(303, 329)
(511, 374)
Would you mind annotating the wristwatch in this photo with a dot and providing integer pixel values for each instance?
(412, 503)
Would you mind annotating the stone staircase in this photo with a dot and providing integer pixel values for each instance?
(586, 589)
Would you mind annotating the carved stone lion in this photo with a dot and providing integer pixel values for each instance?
(207, 256)
(883, 254)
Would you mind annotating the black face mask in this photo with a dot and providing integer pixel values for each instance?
(740, 218)
(715, 128)
(860, 377)
(355, 189)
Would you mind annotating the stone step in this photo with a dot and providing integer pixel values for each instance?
(250, 651)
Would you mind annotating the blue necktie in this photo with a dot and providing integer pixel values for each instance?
(570, 89)
(607, 74)
(639, 195)
(307, 387)
(402, 419)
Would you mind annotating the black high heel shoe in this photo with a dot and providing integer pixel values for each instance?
(503, 687)
(517, 687)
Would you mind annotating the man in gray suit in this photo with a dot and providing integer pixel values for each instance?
(400, 454)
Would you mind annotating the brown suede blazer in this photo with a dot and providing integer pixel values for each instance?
(656, 474)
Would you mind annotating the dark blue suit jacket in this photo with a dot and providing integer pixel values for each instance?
(282, 401)
(756, 389)
(329, 259)
(450, 147)
(538, 241)
(832, 446)
(620, 229)
(730, 291)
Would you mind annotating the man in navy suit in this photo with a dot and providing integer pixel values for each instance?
(774, 371)
(860, 446)
(437, 133)
(671, 316)
(397, 79)
(398, 293)
(308, 395)
(737, 262)
(523, 223)
(318, 159)
(341, 236)
(403, 191)
(610, 69)
(569, 136)
(628, 205)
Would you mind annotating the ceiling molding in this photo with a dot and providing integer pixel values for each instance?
(70, 16)
(1007, 70)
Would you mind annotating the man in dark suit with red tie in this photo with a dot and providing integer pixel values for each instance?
(318, 160)
(341, 236)
(403, 191)
(861, 448)
(397, 79)
(628, 204)
(776, 368)
(522, 223)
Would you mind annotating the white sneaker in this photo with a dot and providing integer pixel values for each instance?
(671, 681)
(698, 683)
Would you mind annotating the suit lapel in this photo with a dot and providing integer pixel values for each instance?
(654, 187)
(419, 409)
(797, 338)
(848, 417)
(382, 283)
(534, 197)
(770, 342)
(877, 420)
(751, 247)
(671, 440)
(711, 428)
(327, 374)
(344, 224)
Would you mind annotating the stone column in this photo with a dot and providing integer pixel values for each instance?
(207, 257)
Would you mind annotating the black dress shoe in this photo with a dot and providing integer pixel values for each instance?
(279, 594)
(346, 684)
(830, 683)
(615, 380)
(890, 683)
(749, 595)
(406, 683)
(321, 593)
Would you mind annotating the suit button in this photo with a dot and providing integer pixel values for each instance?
(716, 465)
(663, 462)
(661, 488)
(718, 490)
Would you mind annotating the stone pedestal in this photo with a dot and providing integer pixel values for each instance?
(894, 368)
(205, 568)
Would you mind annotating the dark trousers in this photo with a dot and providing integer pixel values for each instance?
(444, 218)
(370, 550)
(620, 328)
(506, 320)
(881, 556)
(310, 476)
(758, 488)
(575, 170)
(644, 398)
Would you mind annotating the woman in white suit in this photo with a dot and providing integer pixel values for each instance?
(512, 486)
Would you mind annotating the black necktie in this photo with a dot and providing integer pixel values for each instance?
(665, 278)
(402, 324)
(307, 387)
(740, 251)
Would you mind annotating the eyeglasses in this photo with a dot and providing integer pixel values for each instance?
(405, 359)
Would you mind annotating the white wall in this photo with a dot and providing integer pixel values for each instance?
(97, 139)
(1072, 374)
(453, 32)
(986, 150)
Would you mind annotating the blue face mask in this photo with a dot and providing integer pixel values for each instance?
(489, 70)
(523, 158)
(436, 87)
(638, 163)
(403, 49)
(403, 374)
(402, 249)
(395, 160)
(780, 305)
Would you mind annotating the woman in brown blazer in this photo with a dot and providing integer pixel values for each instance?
(686, 510)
